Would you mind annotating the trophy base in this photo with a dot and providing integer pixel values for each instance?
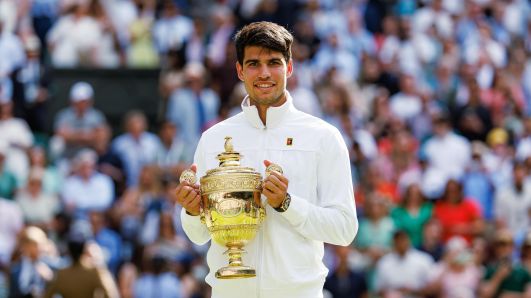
(231, 272)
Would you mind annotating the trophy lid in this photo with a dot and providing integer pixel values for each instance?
(230, 176)
(229, 161)
(229, 158)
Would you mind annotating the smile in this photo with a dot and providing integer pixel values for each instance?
(264, 85)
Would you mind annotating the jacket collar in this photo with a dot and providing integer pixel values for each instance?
(274, 117)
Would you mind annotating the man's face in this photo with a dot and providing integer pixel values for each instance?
(81, 106)
(264, 73)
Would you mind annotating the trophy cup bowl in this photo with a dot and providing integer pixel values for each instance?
(231, 208)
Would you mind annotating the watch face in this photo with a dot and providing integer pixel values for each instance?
(286, 202)
(284, 206)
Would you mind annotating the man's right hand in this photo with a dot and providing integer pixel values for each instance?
(189, 196)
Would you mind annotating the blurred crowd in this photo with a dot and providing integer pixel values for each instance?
(433, 98)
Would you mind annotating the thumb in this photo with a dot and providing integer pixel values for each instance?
(267, 163)
(193, 167)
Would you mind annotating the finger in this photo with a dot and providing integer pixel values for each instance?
(193, 202)
(268, 193)
(190, 196)
(196, 202)
(267, 163)
(276, 181)
(273, 188)
(183, 193)
(280, 177)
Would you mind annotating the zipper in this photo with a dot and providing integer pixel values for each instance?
(261, 243)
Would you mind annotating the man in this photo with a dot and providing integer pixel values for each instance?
(30, 274)
(85, 277)
(194, 107)
(17, 135)
(75, 126)
(311, 203)
(137, 147)
(87, 189)
(502, 277)
(404, 271)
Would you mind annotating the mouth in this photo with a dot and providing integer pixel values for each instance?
(264, 86)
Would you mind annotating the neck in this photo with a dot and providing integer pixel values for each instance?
(262, 108)
(262, 112)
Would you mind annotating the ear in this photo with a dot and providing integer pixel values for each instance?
(239, 70)
(290, 68)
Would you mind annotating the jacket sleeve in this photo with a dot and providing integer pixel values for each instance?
(333, 219)
(192, 226)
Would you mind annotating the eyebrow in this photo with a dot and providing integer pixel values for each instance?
(257, 60)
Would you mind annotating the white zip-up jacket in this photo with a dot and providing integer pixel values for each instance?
(288, 250)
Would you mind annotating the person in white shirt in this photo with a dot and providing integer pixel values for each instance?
(311, 203)
(405, 271)
(87, 189)
(447, 151)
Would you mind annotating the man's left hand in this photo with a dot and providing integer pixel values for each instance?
(275, 187)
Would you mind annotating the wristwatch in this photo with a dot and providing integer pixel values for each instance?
(285, 204)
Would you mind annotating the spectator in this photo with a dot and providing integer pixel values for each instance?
(343, 281)
(8, 182)
(404, 271)
(406, 104)
(86, 189)
(499, 158)
(75, 37)
(223, 21)
(173, 153)
(525, 252)
(142, 52)
(459, 216)
(477, 183)
(376, 228)
(16, 134)
(10, 46)
(82, 278)
(172, 29)
(30, 275)
(52, 180)
(502, 276)
(137, 147)
(412, 213)
(306, 99)
(157, 280)
(456, 275)
(447, 151)
(512, 204)
(38, 207)
(473, 120)
(30, 87)
(110, 163)
(432, 243)
(74, 127)
(108, 240)
(11, 223)
(191, 108)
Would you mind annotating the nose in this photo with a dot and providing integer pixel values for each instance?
(264, 72)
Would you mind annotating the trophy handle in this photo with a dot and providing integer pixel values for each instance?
(273, 167)
(189, 176)
(202, 215)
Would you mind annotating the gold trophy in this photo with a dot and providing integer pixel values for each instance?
(231, 207)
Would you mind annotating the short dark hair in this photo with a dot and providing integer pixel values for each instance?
(76, 248)
(264, 34)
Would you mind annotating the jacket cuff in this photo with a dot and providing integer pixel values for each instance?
(297, 211)
(190, 220)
